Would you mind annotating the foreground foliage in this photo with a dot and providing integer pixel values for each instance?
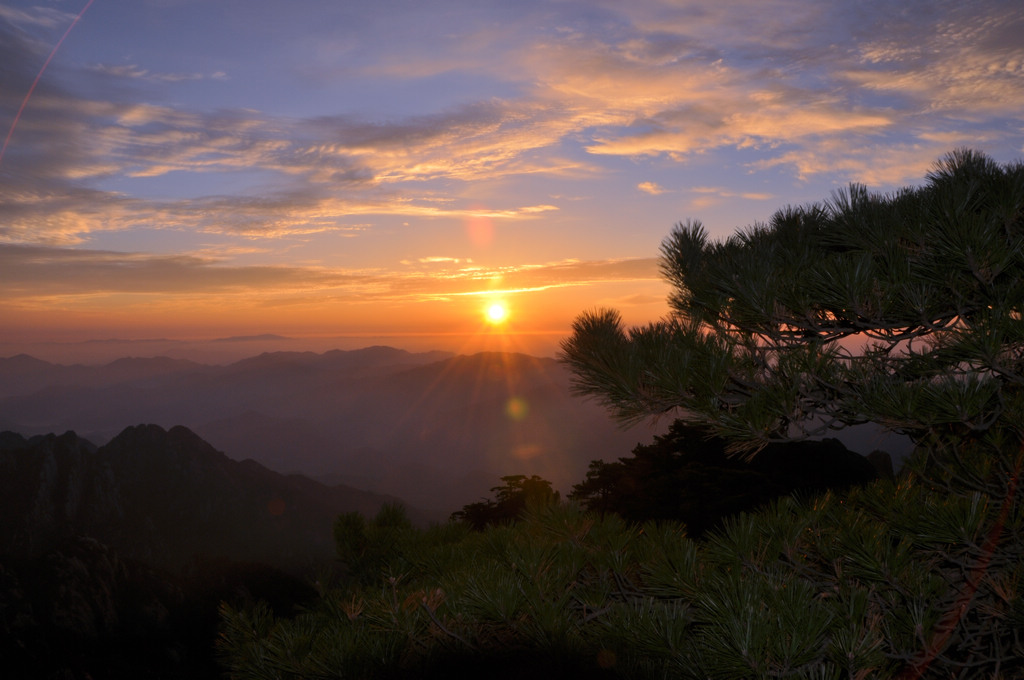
(930, 278)
(896, 579)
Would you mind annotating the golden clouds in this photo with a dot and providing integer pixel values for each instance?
(35, 272)
(780, 120)
(712, 196)
(652, 188)
(873, 164)
(436, 295)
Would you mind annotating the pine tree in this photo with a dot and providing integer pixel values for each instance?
(903, 310)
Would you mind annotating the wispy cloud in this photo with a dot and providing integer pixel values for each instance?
(37, 15)
(712, 196)
(690, 80)
(135, 72)
(328, 169)
(963, 63)
(890, 165)
(653, 80)
(441, 260)
(31, 271)
(29, 274)
(546, 276)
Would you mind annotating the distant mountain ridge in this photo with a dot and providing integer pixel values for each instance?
(164, 497)
(24, 374)
(251, 338)
(433, 428)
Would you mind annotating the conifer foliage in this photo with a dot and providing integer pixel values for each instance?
(891, 580)
(931, 278)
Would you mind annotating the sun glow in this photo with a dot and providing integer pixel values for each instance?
(496, 313)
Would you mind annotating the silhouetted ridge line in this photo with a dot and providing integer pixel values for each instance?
(251, 338)
(166, 497)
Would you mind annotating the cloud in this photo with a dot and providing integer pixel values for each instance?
(135, 72)
(779, 79)
(712, 196)
(485, 140)
(687, 79)
(65, 218)
(443, 260)
(962, 62)
(874, 163)
(33, 275)
(322, 185)
(29, 272)
(324, 169)
(638, 300)
(722, 192)
(36, 16)
(652, 188)
(559, 275)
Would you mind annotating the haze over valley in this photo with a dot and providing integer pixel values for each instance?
(434, 429)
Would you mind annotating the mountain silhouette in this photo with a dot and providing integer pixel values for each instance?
(167, 498)
(114, 559)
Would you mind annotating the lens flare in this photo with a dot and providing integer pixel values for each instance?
(276, 506)
(527, 451)
(517, 409)
(480, 229)
(32, 88)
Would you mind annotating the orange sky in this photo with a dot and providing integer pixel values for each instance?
(450, 307)
(318, 169)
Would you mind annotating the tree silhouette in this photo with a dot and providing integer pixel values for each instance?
(510, 501)
(366, 548)
(687, 476)
(925, 286)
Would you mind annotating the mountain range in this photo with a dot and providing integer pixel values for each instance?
(432, 428)
(166, 498)
(115, 559)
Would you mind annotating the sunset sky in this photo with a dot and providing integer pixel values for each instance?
(388, 169)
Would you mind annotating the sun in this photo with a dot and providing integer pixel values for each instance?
(496, 313)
